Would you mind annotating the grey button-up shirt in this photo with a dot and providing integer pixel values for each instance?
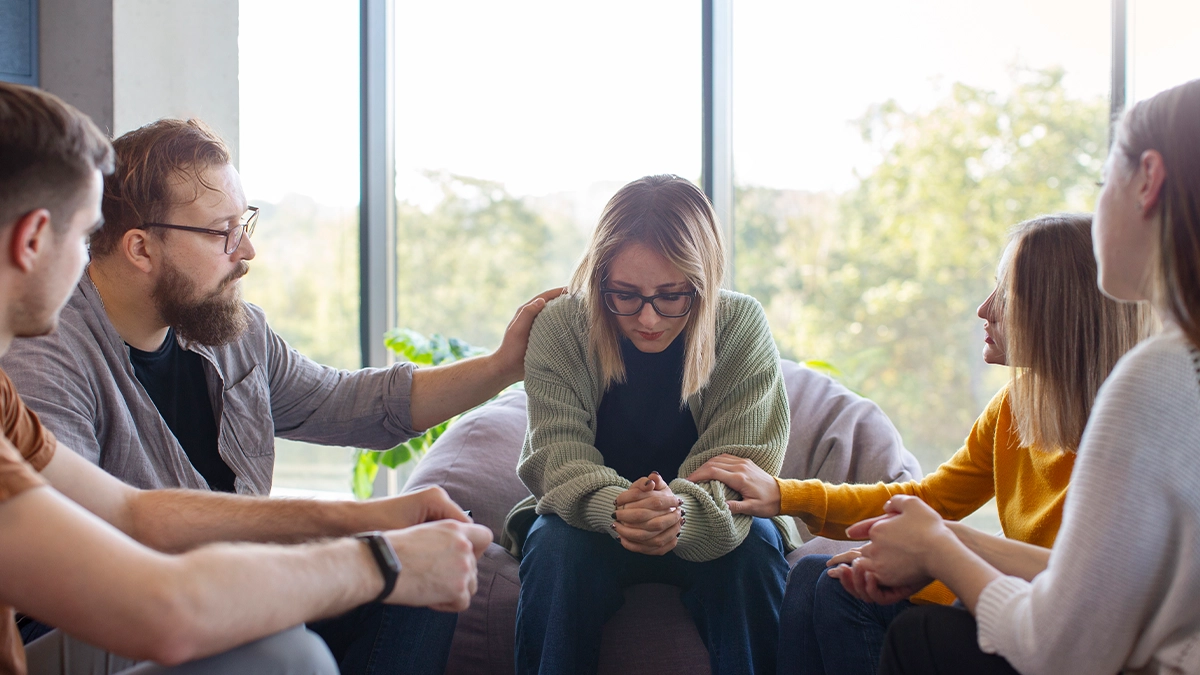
(80, 382)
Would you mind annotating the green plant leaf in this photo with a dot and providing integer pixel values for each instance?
(824, 367)
(414, 347)
(398, 455)
(366, 467)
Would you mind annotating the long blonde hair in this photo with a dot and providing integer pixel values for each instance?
(1063, 336)
(671, 216)
(1169, 122)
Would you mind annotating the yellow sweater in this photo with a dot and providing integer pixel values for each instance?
(1029, 486)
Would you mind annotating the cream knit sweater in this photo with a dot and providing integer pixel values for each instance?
(743, 410)
(1122, 589)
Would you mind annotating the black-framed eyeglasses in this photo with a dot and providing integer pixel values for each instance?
(668, 305)
(233, 236)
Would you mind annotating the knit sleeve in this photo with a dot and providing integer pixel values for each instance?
(559, 461)
(956, 489)
(743, 412)
(1123, 574)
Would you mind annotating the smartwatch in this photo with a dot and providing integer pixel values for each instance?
(385, 557)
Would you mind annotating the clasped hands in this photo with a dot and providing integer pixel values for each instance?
(648, 517)
(905, 543)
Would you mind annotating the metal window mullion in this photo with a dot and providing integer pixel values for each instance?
(717, 96)
(1120, 65)
(377, 202)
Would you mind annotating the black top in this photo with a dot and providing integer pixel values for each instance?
(640, 426)
(174, 378)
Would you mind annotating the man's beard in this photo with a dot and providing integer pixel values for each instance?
(215, 319)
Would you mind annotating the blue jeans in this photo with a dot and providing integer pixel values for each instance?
(377, 638)
(572, 582)
(823, 629)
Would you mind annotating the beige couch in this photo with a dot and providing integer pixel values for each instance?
(836, 436)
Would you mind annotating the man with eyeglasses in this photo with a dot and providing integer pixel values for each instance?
(143, 573)
(162, 375)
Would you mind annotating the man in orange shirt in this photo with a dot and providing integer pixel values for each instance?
(136, 572)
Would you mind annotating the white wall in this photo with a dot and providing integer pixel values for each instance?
(130, 62)
(176, 58)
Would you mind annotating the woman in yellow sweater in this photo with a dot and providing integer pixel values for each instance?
(1045, 317)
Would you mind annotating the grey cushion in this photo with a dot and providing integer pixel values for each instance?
(836, 435)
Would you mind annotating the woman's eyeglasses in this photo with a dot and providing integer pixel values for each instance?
(668, 305)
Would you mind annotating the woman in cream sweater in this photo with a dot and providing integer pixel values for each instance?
(645, 371)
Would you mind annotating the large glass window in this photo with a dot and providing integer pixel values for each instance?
(883, 149)
(1164, 45)
(515, 123)
(299, 164)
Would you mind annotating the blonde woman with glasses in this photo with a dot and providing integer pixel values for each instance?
(644, 372)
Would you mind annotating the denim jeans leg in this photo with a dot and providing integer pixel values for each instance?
(735, 602)
(377, 639)
(570, 587)
(799, 652)
(850, 632)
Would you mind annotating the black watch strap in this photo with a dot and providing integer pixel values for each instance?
(385, 557)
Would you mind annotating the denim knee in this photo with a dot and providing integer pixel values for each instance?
(552, 544)
(798, 596)
(803, 578)
(829, 593)
(762, 545)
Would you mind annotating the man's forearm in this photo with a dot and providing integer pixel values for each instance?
(1011, 557)
(77, 573)
(179, 520)
(441, 392)
(232, 593)
(251, 583)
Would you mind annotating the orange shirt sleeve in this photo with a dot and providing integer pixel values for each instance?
(956, 489)
(22, 428)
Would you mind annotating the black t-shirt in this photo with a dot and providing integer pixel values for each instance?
(174, 378)
(640, 426)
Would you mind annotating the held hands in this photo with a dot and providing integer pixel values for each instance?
(759, 490)
(438, 564)
(510, 356)
(648, 517)
(896, 562)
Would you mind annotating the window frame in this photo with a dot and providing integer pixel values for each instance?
(377, 205)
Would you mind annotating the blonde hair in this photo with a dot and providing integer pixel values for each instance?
(1169, 123)
(672, 217)
(1063, 336)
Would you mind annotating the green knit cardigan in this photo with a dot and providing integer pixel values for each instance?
(743, 411)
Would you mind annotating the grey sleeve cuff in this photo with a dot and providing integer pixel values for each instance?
(397, 401)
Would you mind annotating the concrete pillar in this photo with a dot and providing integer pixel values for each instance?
(130, 62)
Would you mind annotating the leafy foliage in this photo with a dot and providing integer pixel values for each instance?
(411, 346)
(467, 262)
(884, 279)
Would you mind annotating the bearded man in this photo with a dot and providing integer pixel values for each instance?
(163, 376)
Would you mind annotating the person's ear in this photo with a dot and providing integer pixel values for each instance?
(30, 235)
(1152, 173)
(139, 250)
